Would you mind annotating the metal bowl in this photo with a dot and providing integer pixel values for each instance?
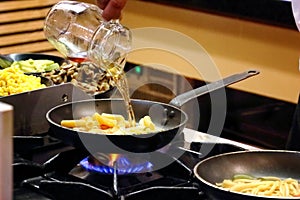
(36, 56)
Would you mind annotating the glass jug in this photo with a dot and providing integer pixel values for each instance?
(79, 32)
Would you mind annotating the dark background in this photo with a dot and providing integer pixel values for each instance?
(272, 12)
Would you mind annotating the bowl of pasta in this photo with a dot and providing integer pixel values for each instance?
(257, 174)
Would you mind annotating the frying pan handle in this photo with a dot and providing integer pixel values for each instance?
(181, 99)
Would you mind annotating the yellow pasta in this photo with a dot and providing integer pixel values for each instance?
(119, 118)
(102, 120)
(110, 124)
(13, 81)
(72, 123)
(263, 186)
(147, 122)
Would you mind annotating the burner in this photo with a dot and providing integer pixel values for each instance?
(123, 164)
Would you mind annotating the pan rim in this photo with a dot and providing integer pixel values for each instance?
(56, 57)
(182, 123)
(241, 152)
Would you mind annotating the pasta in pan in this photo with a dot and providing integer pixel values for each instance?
(263, 186)
(110, 124)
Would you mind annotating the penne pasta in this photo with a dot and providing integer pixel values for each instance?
(72, 123)
(264, 186)
(110, 124)
(102, 120)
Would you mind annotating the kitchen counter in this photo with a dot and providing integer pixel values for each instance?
(234, 44)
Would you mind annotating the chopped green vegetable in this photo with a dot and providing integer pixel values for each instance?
(243, 176)
(269, 178)
(30, 65)
(5, 63)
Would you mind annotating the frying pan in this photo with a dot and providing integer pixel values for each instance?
(169, 117)
(258, 163)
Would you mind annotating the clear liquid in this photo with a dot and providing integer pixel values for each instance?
(116, 71)
(66, 46)
(120, 81)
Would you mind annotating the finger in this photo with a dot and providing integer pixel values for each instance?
(102, 3)
(113, 9)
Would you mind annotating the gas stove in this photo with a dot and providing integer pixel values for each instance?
(45, 168)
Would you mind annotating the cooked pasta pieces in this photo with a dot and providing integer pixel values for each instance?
(263, 186)
(110, 124)
(13, 81)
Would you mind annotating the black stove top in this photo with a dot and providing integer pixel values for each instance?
(46, 168)
(50, 170)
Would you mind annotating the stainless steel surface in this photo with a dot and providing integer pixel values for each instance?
(196, 136)
(30, 108)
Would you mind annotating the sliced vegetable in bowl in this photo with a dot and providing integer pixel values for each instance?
(35, 66)
(37, 56)
(36, 62)
(5, 61)
(85, 76)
